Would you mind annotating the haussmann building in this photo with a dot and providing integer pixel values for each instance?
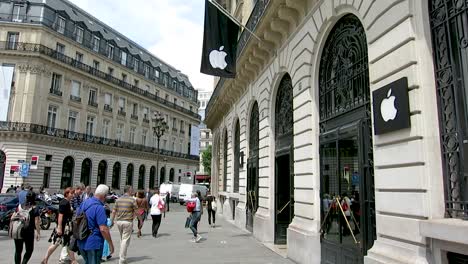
(356, 102)
(82, 99)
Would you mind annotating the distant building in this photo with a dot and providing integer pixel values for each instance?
(82, 96)
(206, 137)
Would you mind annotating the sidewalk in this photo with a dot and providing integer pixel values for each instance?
(223, 244)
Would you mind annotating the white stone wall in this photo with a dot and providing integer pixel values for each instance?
(408, 174)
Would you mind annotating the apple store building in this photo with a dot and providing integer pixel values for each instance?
(343, 137)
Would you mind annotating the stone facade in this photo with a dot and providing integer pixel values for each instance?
(408, 174)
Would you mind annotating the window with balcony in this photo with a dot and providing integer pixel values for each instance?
(60, 48)
(174, 124)
(136, 83)
(55, 87)
(110, 71)
(52, 116)
(17, 17)
(136, 64)
(143, 136)
(72, 117)
(123, 58)
(132, 135)
(146, 88)
(135, 111)
(120, 132)
(79, 34)
(110, 51)
(90, 126)
(182, 126)
(96, 43)
(122, 106)
(207, 135)
(12, 40)
(61, 21)
(105, 128)
(75, 91)
(92, 99)
(79, 57)
(124, 77)
(96, 64)
(146, 114)
(108, 102)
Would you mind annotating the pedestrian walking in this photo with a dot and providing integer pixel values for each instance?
(92, 246)
(195, 217)
(142, 209)
(211, 206)
(26, 235)
(157, 204)
(78, 197)
(124, 212)
(63, 232)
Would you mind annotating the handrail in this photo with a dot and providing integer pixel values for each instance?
(71, 135)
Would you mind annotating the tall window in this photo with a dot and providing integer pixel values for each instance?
(111, 71)
(56, 82)
(46, 179)
(147, 70)
(135, 109)
(175, 101)
(122, 104)
(174, 123)
(132, 134)
(79, 34)
(79, 57)
(51, 116)
(156, 73)
(145, 113)
(144, 133)
(72, 117)
(96, 42)
(90, 126)
(60, 48)
(75, 91)
(181, 125)
(135, 65)
(110, 51)
(123, 59)
(108, 99)
(124, 77)
(96, 64)
(92, 97)
(120, 132)
(17, 13)
(61, 24)
(105, 128)
(12, 39)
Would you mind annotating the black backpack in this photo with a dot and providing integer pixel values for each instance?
(80, 226)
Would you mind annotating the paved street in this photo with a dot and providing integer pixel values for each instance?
(223, 244)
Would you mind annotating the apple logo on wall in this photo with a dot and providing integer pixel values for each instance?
(218, 58)
(387, 107)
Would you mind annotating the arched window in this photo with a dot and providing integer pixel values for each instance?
(102, 172)
(129, 175)
(236, 157)
(162, 175)
(171, 175)
(225, 152)
(68, 166)
(141, 177)
(116, 176)
(152, 179)
(86, 169)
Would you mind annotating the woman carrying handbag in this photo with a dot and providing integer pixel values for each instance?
(157, 208)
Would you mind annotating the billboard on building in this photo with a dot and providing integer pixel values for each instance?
(195, 141)
(6, 82)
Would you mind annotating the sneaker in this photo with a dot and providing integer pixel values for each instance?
(194, 240)
(198, 238)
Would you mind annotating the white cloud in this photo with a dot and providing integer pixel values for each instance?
(170, 29)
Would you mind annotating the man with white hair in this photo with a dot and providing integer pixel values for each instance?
(91, 247)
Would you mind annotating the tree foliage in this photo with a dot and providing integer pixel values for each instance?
(206, 160)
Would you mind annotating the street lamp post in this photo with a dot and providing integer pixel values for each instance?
(159, 128)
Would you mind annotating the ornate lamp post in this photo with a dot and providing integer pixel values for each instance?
(160, 126)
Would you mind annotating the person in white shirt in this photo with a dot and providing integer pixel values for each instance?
(157, 203)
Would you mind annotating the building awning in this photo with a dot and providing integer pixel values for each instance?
(202, 177)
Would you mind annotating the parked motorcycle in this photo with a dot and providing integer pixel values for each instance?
(5, 220)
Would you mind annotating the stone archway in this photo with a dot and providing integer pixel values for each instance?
(86, 169)
(116, 171)
(102, 173)
(68, 167)
(129, 174)
(141, 177)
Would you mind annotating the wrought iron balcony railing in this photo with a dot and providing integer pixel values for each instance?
(70, 135)
(75, 98)
(108, 108)
(121, 112)
(51, 53)
(134, 117)
(56, 92)
(93, 104)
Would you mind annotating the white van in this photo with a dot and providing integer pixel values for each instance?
(171, 188)
(186, 191)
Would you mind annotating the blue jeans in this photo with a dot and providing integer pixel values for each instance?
(194, 222)
(91, 256)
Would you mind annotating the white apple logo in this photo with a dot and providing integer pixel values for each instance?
(387, 107)
(218, 58)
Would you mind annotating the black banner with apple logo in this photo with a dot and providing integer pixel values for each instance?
(219, 43)
(391, 107)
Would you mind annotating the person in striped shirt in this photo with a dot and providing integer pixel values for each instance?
(123, 214)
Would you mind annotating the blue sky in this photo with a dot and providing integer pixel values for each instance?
(171, 29)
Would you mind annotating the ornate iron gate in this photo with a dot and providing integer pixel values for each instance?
(252, 168)
(346, 153)
(449, 26)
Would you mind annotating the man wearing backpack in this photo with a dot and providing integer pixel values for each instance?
(92, 245)
(22, 225)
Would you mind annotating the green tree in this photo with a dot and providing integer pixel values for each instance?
(206, 160)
